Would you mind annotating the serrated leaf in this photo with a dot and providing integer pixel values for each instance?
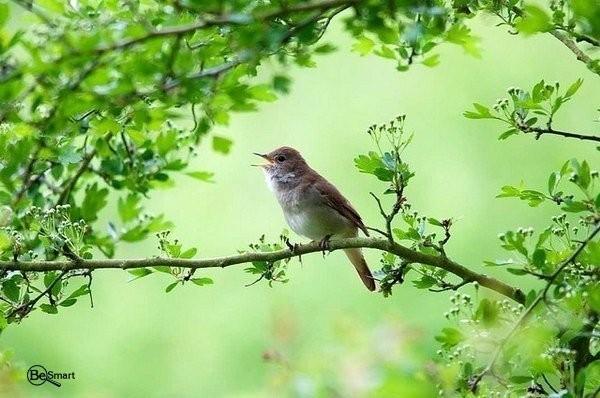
(424, 282)
(534, 19)
(363, 45)
(261, 92)
(128, 207)
(221, 144)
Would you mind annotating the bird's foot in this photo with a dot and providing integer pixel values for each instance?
(294, 247)
(325, 244)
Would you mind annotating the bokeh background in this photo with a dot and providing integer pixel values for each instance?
(322, 334)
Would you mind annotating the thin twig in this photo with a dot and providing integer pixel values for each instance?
(539, 131)
(64, 196)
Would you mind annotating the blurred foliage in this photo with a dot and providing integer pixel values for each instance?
(91, 101)
(561, 357)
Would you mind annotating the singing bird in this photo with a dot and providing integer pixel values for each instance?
(312, 206)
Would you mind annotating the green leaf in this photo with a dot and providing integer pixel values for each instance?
(202, 281)
(325, 48)
(425, 282)
(4, 14)
(483, 112)
(573, 206)
(68, 302)
(584, 175)
(520, 379)
(487, 312)
(166, 142)
(69, 155)
(105, 125)
(80, 291)
(450, 337)
(205, 176)
(573, 88)
(221, 144)
(434, 221)
(128, 207)
(261, 92)
(5, 241)
(49, 277)
(552, 180)
(281, 83)
(539, 258)
(171, 286)
(432, 60)
(461, 35)
(516, 271)
(369, 163)
(189, 253)
(49, 309)
(507, 134)
(139, 272)
(534, 20)
(386, 52)
(11, 290)
(363, 45)
(93, 202)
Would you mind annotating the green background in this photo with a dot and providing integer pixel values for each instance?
(323, 329)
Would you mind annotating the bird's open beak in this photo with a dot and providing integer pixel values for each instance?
(264, 165)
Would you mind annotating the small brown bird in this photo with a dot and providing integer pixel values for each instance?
(312, 206)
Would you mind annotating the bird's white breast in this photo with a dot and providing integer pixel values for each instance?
(306, 211)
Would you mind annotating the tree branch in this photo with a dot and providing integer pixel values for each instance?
(539, 131)
(409, 255)
(64, 195)
(571, 45)
(234, 19)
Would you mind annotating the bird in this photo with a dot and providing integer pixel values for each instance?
(312, 206)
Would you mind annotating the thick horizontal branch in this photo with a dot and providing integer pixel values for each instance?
(405, 253)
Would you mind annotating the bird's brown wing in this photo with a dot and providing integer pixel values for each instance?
(334, 199)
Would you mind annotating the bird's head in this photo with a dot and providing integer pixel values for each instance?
(284, 161)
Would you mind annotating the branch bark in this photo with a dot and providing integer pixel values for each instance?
(571, 45)
(539, 131)
(405, 253)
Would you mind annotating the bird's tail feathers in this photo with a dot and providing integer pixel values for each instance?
(357, 259)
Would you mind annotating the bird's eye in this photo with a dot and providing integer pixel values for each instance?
(280, 158)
